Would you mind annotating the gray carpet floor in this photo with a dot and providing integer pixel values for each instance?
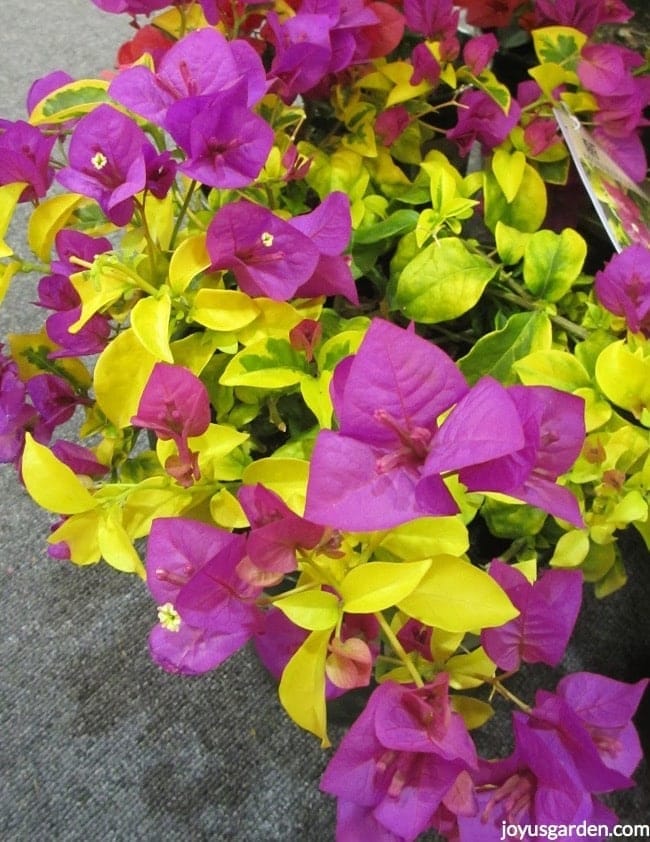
(95, 741)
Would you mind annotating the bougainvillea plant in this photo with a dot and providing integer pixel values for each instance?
(311, 296)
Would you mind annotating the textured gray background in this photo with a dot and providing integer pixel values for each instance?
(95, 741)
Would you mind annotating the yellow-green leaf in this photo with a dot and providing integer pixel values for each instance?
(302, 686)
(9, 195)
(226, 310)
(51, 483)
(150, 323)
(79, 532)
(558, 369)
(117, 548)
(287, 477)
(474, 711)
(463, 669)
(427, 537)
(121, 374)
(7, 271)
(511, 243)
(71, 100)
(315, 610)
(269, 364)
(456, 596)
(226, 510)
(189, 259)
(624, 377)
(508, 168)
(553, 262)
(316, 394)
(47, 220)
(571, 549)
(380, 584)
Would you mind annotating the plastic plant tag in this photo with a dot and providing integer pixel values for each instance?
(622, 205)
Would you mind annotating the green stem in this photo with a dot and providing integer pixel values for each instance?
(182, 212)
(570, 327)
(495, 683)
(399, 649)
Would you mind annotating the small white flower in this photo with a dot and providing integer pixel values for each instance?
(267, 239)
(169, 617)
(99, 160)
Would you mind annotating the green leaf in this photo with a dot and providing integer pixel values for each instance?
(495, 353)
(380, 584)
(399, 222)
(315, 610)
(558, 369)
(571, 549)
(456, 596)
(302, 686)
(71, 100)
(553, 262)
(442, 282)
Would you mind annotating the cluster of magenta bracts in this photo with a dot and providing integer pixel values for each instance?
(406, 417)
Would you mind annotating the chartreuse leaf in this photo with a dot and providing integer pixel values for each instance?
(68, 101)
(508, 168)
(302, 686)
(226, 510)
(216, 448)
(495, 353)
(188, 260)
(116, 547)
(341, 345)
(475, 712)
(624, 377)
(269, 364)
(276, 318)
(7, 271)
(223, 309)
(51, 483)
(196, 350)
(550, 76)
(525, 212)
(427, 537)
(47, 220)
(558, 369)
(121, 374)
(571, 549)
(28, 349)
(463, 669)
(99, 288)
(553, 262)
(314, 609)
(79, 532)
(287, 477)
(150, 323)
(380, 584)
(442, 282)
(9, 195)
(559, 44)
(160, 216)
(316, 394)
(456, 596)
(511, 243)
(154, 497)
